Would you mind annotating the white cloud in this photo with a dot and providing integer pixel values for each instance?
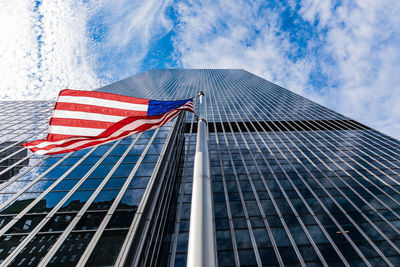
(237, 34)
(362, 39)
(43, 49)
(48, 47)
(354, 48)
(131, 27)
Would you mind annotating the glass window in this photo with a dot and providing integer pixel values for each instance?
(35, 250)
(252, 208)
(76, 201)
(220, 209)
(71, 250)
(40, 186)
(133, 159)
(58, 222)
(48, 202)
(239, 222)
(182, 243)
(8, 243)
(25, 224)
(66, 184)
(316, 233)
(121, 219)
(224, 240)
(288, 255)
(79, 171)
(90, 221)
(243, 238)
(104, 200)
(131, 199)
(226, 258)
(280, 236)
(145, 169)
(57, 172)
(247, 257)
(268, 256)
(262, 238)
(236, 209)
(123, 170)
(221, 224)
(139, 182)
(90, 184)
(101, 171)
(115, 183)
(14, 187)
(299, 236)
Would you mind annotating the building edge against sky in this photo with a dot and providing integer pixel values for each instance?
(293, 183)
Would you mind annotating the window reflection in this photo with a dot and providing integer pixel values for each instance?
(25, 224)
(14, 187)
(182, 242)
(79, 171)
(115, 183)
(121, 219)
(247, 257)
(5, 197)
(131, 199)
(76, 201)
(225, 258)
(224, 240)
(48, 202)
(104, 200)
(57, 172)
(90, 221)
(243, 238)
(145, 169)
(268, 256)
(107, 248)
(101, 171)
(40, 186)
(71, 250)
(123, 170)
(20, 203)
(4, 220)
(90, 184)
(35, 250)
(139, 182)
(58, 222)
(8, 243)
(66, 184)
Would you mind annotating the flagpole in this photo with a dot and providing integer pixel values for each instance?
(201, 250)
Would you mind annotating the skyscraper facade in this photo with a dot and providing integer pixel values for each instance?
(294, 183)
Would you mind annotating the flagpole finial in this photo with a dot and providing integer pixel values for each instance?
(201, 93)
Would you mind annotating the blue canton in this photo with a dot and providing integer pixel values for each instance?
(160, 107)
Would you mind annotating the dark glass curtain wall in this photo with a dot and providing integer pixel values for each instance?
(294, 183)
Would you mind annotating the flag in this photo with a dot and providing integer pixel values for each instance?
(83, 119)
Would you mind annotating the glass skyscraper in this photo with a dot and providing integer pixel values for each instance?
(294, 183)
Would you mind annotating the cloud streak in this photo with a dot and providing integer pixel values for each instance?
(220, 34)
(361, 39)
(44, 49)
(129, 30)
(344, 55)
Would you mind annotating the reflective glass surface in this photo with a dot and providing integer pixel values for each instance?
(293, 182)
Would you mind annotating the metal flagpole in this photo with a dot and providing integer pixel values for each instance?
(201, 250)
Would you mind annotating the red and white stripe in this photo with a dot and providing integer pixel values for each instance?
(83, 119)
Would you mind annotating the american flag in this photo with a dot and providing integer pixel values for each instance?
(83, 119)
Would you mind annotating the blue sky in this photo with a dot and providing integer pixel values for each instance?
(342, 54)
